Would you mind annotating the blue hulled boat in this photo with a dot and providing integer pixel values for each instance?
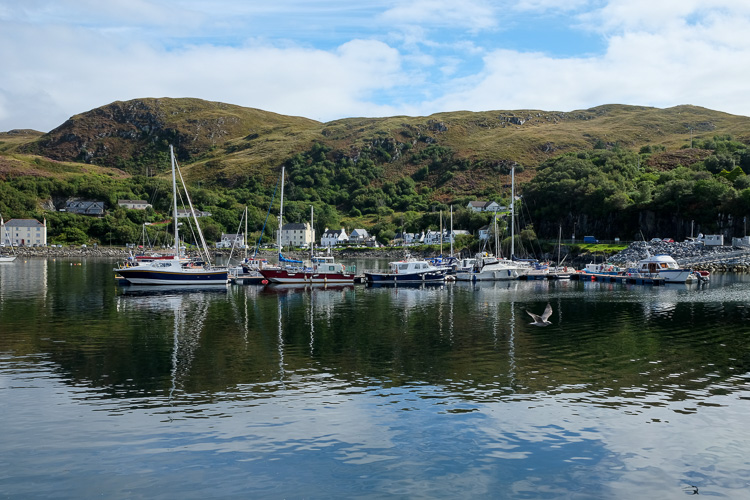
(407, 271)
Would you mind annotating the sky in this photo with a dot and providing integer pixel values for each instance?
(332, 59)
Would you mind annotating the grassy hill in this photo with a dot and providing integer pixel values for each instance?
(220, 142)
(372, 172)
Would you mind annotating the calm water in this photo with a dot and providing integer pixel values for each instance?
(440, 392)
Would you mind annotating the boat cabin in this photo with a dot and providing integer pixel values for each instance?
(410, 266)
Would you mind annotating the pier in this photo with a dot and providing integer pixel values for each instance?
(618, 278)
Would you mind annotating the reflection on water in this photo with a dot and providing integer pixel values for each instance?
(313, 391)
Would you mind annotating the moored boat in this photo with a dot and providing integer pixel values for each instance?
(175, 270)
(325, 273)
(407, 271)
(664, 266)
(604, 268)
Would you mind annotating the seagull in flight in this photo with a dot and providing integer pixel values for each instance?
(543, 319)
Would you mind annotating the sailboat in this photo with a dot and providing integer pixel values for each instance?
(327, 273)
(496, 269)
(5, 239)
(175, 270)
(248, 272)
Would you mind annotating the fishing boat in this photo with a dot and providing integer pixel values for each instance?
(664, 266)
(176, 270)
(324, 271)
(604, 268)
(407, 271)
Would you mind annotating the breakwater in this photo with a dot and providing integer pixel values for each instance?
(700, 257)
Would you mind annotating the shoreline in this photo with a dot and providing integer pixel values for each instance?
(717, 259)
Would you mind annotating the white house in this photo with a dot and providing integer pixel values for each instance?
(333, 237)
(23, 232)
(134, 204)
(414, 238)
(432, 238)
(409, 238)
(185, 212)
(358, 237)
(231, 240)
(484, 233)
(485, 206)
(297, 234)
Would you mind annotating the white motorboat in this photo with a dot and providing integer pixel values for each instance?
(664, 266)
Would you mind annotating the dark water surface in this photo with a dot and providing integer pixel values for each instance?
(440, 392)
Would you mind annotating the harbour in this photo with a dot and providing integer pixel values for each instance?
(315, 391)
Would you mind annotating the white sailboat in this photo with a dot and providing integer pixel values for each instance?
(496, 269)
(5, 239)
(177, 270)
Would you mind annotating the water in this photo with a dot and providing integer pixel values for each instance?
(436, 392)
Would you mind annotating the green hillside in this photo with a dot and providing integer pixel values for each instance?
(379, 171)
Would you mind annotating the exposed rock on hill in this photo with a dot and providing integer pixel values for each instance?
(134, 131)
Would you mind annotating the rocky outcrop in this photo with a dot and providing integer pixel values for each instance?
(137, 132)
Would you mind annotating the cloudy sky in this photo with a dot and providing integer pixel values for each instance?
(332, 59)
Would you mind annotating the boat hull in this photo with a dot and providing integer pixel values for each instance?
(386, 278)
(136, 276)
(499, 275)
(674, 275)
(285, 277)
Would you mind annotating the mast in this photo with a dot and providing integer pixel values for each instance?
(174, 207)
(452, 236)
(497, 236)
(312, 235)
(281, 212)
(244, 237)
(441, 233)
(512, 211)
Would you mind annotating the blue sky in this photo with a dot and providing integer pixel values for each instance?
(335, 59)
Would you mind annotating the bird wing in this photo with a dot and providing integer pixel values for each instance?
(547, 313)
(535, 316)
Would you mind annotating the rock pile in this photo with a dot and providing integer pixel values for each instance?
(709, 258)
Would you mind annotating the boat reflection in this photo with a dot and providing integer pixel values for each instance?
(166, 290)
(275, 288)
(25, 278)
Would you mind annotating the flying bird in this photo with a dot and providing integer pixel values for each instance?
(543, 319)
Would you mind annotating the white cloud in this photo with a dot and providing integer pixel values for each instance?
(79, 70)
(385, 58)
(471, 14)
(681, 59)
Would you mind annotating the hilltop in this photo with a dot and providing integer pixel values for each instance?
(221, 143)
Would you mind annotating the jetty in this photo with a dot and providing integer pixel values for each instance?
(619, 278)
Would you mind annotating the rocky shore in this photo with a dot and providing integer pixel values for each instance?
(699, 257)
